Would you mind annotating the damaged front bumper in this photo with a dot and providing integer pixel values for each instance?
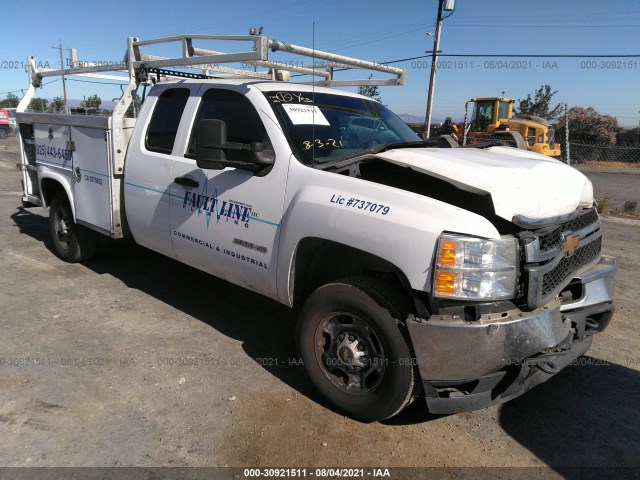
(470, 365)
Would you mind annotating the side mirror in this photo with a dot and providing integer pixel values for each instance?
(212, 148)
(211, 136)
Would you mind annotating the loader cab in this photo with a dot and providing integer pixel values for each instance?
(490, 114)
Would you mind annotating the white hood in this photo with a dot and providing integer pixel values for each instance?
(520, 182)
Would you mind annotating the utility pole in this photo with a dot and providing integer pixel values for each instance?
(64, 84)
(448, 6)
(432, 77)
(566, 133)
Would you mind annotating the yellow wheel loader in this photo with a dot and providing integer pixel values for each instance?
(493, 117)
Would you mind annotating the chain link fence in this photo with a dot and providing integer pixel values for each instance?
(614, 170)
(581, 150)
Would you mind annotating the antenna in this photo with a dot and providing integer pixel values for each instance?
(313, 97)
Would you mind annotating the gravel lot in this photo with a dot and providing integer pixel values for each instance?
(133, 359)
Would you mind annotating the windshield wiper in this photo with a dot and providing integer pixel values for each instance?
(349, 159)
(391, 146)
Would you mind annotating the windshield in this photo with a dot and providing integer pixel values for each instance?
(503, 110)
(482, 115)
(324, 127)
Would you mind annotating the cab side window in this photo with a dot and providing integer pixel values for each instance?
(165, 120)
(243, 123)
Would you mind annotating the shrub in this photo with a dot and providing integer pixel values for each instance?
(630, 206)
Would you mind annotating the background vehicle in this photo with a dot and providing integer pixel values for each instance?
(493, 116)
(7, 122)
(366, 132)
(462, 274)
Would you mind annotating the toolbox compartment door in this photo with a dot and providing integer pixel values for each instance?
(30, 183)
(93, 178)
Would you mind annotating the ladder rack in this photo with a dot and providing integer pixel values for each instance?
(255, 61)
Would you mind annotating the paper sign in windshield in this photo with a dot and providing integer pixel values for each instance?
(305, 114)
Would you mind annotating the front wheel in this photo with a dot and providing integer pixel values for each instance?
(72, 242)
(354, 345)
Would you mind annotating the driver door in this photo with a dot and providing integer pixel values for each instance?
(227, 222)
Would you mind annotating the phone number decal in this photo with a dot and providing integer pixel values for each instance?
(360, 204)
(53, 152)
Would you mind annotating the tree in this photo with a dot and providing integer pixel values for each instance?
(38, 104)
(57, 104)
(135, 103)
(11, 101)
(93, 101)
(370, 91)
(588, 124)
(539, 105)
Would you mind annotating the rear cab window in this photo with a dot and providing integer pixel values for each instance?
(165, 120)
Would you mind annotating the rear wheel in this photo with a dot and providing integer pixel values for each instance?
(354, 345)
(72, 242)
(512, 139)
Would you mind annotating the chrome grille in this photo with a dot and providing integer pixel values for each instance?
(569, 265)
(548, 268)
(549, 241)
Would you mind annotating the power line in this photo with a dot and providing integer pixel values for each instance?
(503, 55)
(506, 55)
(407, 32)
(539, 55)
(93, 81)
(21, 89)
(538, 26)
(379, 34)
(554, 15)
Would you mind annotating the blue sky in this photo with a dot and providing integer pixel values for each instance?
(371, 29)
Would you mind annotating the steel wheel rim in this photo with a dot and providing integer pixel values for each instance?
(350, 353)
(62, 226)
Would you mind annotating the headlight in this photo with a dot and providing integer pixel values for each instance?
(474, 268)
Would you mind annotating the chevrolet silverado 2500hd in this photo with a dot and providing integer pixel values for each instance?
(466, 275)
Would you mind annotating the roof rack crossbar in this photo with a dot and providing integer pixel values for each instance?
(210, 62)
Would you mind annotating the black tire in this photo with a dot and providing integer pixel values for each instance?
(353, 341)
(72, 242)
(3, 134)
(512, 139)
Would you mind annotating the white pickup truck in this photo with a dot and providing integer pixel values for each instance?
(463, 275)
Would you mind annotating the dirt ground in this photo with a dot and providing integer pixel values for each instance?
(133, 359)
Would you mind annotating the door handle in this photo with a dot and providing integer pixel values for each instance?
(186, 182)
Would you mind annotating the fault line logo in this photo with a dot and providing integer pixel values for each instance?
(228, 210)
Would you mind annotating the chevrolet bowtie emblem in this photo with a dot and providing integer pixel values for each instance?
(570, 243)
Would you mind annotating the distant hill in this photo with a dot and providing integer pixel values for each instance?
(419, 119)
(406, 118)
